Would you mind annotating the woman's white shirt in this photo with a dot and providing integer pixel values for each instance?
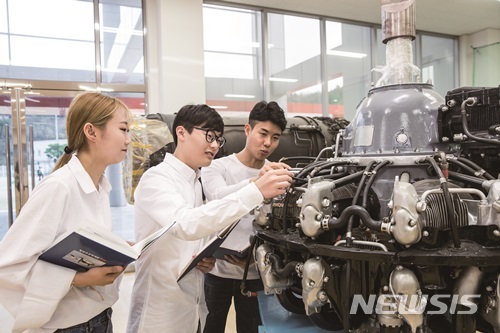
(38, 294)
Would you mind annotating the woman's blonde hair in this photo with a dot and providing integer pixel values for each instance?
(89, 107)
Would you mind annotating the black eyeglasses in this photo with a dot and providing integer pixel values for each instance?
(210, 136)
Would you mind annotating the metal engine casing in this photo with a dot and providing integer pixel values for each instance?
(399, 213)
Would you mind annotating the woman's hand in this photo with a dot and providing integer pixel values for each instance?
(97, 276)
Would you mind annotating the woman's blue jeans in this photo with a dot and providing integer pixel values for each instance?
(99, 324)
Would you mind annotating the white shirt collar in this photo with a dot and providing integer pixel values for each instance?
(184, 170)
(83, 178)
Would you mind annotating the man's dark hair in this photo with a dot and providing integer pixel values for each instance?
(197, 115)
(271, 111)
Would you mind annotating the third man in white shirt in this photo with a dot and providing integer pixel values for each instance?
(224, 176)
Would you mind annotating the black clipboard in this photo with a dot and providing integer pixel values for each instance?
(208, 250)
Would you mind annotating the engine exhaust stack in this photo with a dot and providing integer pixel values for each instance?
(398, 28)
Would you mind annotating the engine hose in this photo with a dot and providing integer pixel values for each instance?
(365, 197)
(334, 176)
(291, 158)
(471, 101)
(305, 171)
(470, 180)
(354, 210)
(325, 175)
(301, 175)
(362, 182)
(243, 287)
(277, 266)
(476, 167)
(355, 201)
(371, 180)
(465, 167)
(315, 167)
(347, 179)
(285, 205)
(447, 201)
(318, 169)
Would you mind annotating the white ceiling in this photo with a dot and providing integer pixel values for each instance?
(451, 17)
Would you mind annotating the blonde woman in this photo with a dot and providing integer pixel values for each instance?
(43, 297)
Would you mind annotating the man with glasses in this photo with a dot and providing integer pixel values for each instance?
(171, 191)
(210, 136)
(226, 175)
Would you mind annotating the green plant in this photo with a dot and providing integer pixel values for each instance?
(54, 150)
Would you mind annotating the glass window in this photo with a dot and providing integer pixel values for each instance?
(438, 62)
(122, 50)
(45, 19)
(3, 16)
(486, 67)
(348, 49)
(53, 46)
(233, 62)
(294, 63)
(59, 47)
(4, 51)
(233, 58)
(46, 57)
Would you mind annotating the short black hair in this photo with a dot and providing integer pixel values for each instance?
(197, 115)
(271, 111)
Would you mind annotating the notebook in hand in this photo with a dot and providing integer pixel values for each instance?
(223, 251)
(208, 250)
(236, 244)
(86, 248)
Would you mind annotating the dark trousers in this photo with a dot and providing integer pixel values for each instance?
(99, 324)
(218, 295)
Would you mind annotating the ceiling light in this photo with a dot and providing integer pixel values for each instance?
(282, 79)
(98, 89)
(239, 96)
(218, 106)
(346, 54)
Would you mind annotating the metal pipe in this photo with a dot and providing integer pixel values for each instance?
(471, 101)
(455, 190)
(10, 209)
(322, 151)
(19, 144)
(32, 156)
